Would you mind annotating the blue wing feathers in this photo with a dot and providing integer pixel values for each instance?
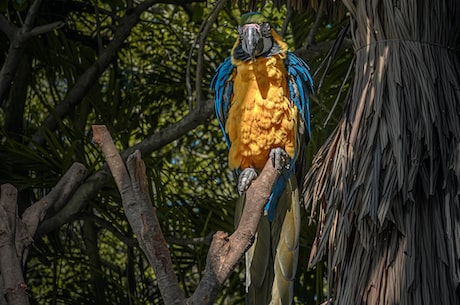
(223, 89)
(300, 85)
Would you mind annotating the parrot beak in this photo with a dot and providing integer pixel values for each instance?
(251, 39)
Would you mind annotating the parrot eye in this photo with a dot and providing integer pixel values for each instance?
(265, 29)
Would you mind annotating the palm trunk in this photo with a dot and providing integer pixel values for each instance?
(387, 182)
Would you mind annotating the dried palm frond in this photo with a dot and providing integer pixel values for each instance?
(386, 184)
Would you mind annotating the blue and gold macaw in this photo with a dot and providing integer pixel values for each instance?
(262, 105)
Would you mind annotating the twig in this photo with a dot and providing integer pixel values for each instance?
(200, 40)
(314, 29)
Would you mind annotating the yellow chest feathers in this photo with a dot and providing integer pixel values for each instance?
(261, 115)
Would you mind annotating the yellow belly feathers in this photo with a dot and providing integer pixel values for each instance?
(261, 116)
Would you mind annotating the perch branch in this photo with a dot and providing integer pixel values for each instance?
(225, 251)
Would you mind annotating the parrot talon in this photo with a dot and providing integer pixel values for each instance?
(280, 158)
(245, 179)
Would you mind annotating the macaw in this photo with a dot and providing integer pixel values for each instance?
(262, 105)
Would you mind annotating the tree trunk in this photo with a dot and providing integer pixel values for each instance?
(386, 183)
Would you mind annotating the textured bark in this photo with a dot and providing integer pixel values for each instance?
(16, 233)
(225, 251)
(386, 183)
(10, 259)
(97, 180)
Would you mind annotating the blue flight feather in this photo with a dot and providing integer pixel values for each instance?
(223, 89)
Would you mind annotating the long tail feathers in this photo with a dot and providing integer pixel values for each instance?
(271, 262)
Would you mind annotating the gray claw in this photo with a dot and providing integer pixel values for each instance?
(245, 179)
(280, 159)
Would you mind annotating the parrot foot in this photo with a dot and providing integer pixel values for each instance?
(280, 158)
(245, 179)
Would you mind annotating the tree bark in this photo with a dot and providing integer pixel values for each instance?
(10, 260)
(16, 233)
(225, 251)
(97, 180)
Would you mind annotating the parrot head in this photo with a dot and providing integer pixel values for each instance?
(255, 35)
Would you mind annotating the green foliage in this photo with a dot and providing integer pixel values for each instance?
(94, 258)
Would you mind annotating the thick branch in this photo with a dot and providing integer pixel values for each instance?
(225, 251)
(97, 180)
(55, 199)
(141, 214)
(10, 266)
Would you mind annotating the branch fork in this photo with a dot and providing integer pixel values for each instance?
(225, 251)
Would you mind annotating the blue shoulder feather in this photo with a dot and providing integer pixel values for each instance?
(300, 86)
(223, 89)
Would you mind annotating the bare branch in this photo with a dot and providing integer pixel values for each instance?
(10, 266)
(225, 251)
(18, 37)
(314, 29)
(141, 214)
(200, 41)
(31, 14)
(55, 199)
(97, 180)
(45, 28)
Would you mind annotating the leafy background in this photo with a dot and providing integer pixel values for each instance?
(93, 258)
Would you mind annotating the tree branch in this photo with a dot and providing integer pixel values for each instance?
(86, 81)
(18, 38)
(141, 214)
(314, 29)
(55, 199)
(10, 266)
(225, 251)
(201, 40)
(16, 233)
(98, 179)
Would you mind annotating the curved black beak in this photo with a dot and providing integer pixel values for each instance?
(250, 39)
